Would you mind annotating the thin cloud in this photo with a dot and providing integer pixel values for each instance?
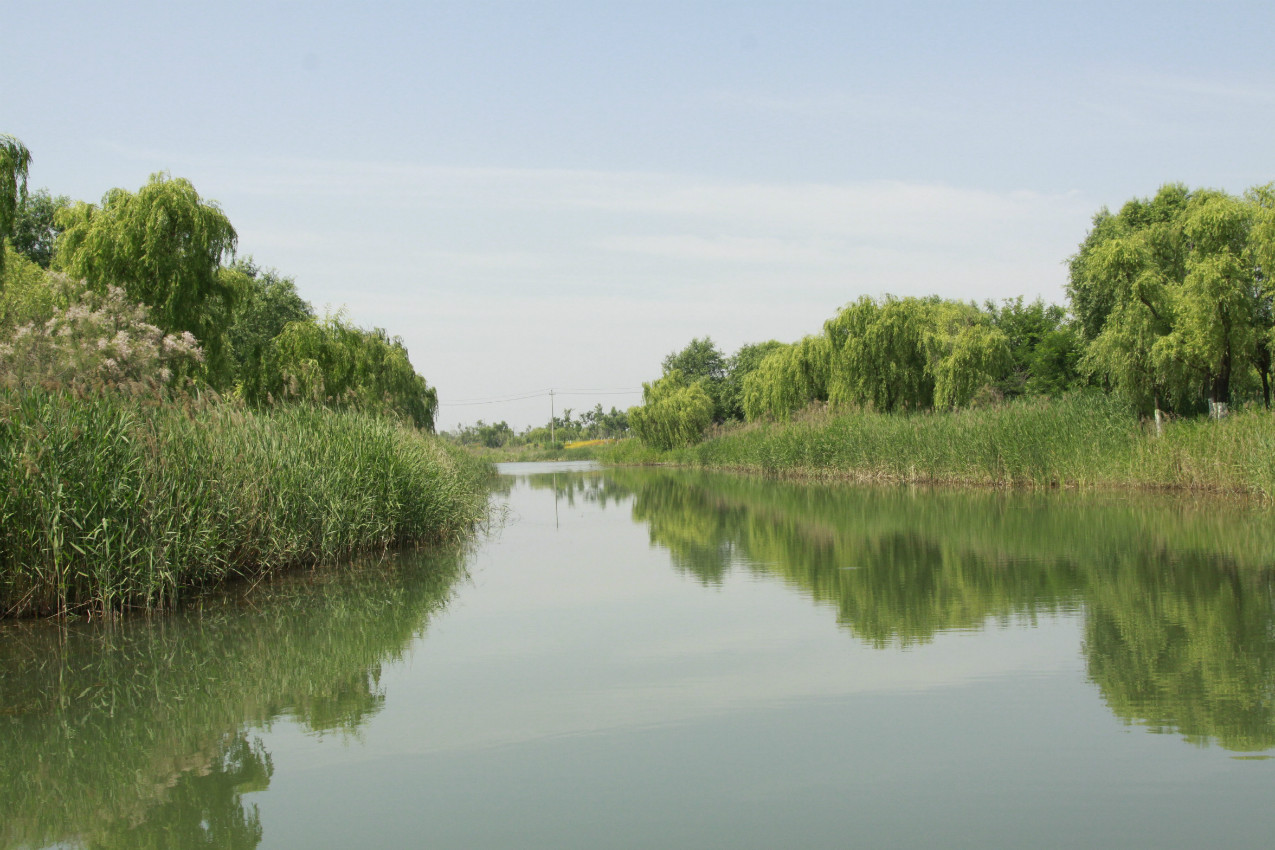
(1175, 86)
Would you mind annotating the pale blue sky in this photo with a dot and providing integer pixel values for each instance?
(541, 195)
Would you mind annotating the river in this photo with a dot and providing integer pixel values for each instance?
(660, 658)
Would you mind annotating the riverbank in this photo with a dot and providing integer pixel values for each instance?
(1087, 441)
(108, 503)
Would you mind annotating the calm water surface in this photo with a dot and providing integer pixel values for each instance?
(645, 658)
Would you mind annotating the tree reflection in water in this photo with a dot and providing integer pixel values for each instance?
(1178, 596)
(139, 733)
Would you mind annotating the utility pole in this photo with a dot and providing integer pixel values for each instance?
(551, 439)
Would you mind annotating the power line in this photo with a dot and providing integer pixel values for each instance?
(539, 394)
(492, 400)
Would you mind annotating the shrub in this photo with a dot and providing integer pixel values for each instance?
(100, 341)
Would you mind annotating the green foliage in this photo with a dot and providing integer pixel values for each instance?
(164, 246)
(1028, 441)
(602, 425)
(1044, 349)
(674, 412)
(880, 354)
(975, 356)
(27, 294)
(740, 365)
(498, 441)
(36, 230)
(267, 303)
(913, 353)
(1172, 297)
(481, 434)
(701, 361)
(1086, 439)
(1053, 366)
(333, 363)
(788, 379)
(15, 161)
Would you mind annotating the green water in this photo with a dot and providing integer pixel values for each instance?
(639, 658)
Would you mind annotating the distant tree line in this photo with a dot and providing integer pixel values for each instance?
(239, 329)
(594, 424)
(1170, 308)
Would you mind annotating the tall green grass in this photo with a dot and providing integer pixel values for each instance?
(1083, 440)
(108, 503)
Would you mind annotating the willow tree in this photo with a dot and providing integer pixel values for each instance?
(1262, 246)
(164, 246)
(913, 353)
(1171, 295)
(1214, 327)
(15, 160)
(267, 303)
(27, 294)
(971, 356)
(788, 379)
(336, 364)
(880, 355)
(702, 361)
(674, 412)
(741, 364)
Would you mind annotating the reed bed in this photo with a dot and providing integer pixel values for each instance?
(1085, 440)
(108, 503)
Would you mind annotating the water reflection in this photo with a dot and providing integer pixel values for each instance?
(1186, 644)
(1178, 597)
(150, 732)
(141, 733)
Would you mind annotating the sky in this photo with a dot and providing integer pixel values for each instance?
(540, 196)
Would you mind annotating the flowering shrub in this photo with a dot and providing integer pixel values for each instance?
(100, 342)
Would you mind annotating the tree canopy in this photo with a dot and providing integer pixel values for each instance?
(1171, 295)
(333, 363)
(675, 412)
(268, 302)
(15, 162)
(1171, 304)
(788, 378)
(702, 361)
(35, 230)
(739, 366)
(155, 266)
(164, 246)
